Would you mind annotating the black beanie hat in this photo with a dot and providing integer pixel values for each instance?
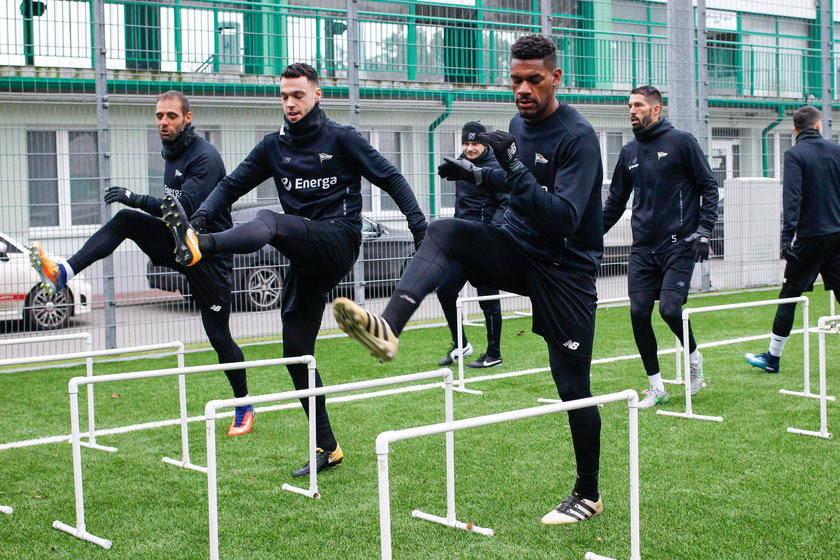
(471, 131)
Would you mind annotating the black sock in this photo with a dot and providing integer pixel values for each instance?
(586, 486)
(399, 310)
(206, 243)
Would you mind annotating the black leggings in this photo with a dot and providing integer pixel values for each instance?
(447, 293)
(320, 255)
(641, 313)
(151, 235)
(571, 377)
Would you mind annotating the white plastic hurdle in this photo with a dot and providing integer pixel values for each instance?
(460, 322)
(384, 440)
(213, 406)
(687, 313)
(80, 529)
(823, 326)
(86, 336)
(88, 356)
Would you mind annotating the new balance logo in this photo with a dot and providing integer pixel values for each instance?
(540, 159)
(409, 299)
(661, 154)
(178, 173)
(324, 157)
(571, 344)
(216, 308)
(634, 166)
(471, 136)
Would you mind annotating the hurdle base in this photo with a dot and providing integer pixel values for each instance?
(184, 464)
(6, 509)
(83, 535)
(593, 556)
(674, 381)
(314, 494)
(94, 445)
(824, 435)
(690, 416)
(470, 391)
(806, 395)
(557, 401)
(455, 524)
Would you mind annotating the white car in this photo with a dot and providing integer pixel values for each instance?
(22, 298)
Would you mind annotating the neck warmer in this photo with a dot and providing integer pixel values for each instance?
(304, 130)
(649, 132)
(808, 133)
(172, 150)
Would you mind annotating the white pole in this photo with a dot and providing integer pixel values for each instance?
(686, 364)
(384, 502)
(822, 327)
(313, 438)
(212, 496)
(806, 350)
(448, 408)
(633, 423)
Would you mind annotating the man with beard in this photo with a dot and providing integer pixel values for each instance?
(317, 165)
(192, 167)
(472, 202)
(548, 248)
(675, 198)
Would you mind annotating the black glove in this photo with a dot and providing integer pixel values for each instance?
(787, 252)
(459, 170)
(419, 236)
(699, 246)
(199, 223)
(504, 146)
(122, 194)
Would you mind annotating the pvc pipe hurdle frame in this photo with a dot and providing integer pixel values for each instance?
(88, 356)
(460, 322)
(686, 315)
(384, 440)
(213, 406)
(86, 336)
(80, 530)
(822, 328)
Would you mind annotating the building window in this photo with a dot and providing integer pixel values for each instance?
(63, 171)
(615, 141)
(389, 144)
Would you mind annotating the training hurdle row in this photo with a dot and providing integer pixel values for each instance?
(823, 326)
(80, 529)
(88, 356)
(212, 407)
(85, 336)
(686, 315)
(385, 439)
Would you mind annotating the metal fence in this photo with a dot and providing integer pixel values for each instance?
(78, 81)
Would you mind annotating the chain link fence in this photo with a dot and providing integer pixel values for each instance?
(78, 82)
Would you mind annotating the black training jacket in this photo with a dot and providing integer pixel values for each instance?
(190, 178)
(668, 174)
(811, 191)
(555, 201)
(319, 180)
(477, 203)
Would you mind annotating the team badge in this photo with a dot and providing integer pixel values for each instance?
(661, 154)
(286, 183)
(178, 173)
(540, 159)
(324, 157)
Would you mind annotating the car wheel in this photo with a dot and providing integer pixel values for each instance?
(262, 288)
(45, 311)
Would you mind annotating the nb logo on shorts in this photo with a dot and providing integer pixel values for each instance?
(571, 344)
(216, 308)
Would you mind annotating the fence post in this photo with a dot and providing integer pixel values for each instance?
(104, 153)
(826, 64)
(353, 98)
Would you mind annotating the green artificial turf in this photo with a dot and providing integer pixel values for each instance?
(741, 489)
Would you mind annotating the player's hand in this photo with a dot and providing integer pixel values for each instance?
(699, 246)
(787, 252)
(121, 194)
(419, 236)
(504, 146)
(199, 223)
(459, 170)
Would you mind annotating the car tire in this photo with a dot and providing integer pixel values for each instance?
(261, 288)
(47, 311)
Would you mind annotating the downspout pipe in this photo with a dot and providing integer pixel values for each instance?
(765, 152)
(447, 101)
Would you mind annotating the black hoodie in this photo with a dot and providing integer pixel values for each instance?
(811, 193)
(668, 174)
(478, 203)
